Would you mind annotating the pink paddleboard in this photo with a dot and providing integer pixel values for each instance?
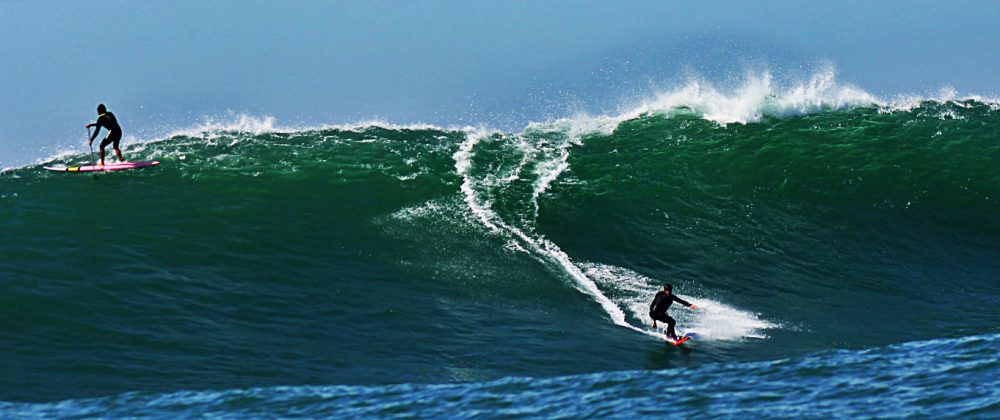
(96, 168)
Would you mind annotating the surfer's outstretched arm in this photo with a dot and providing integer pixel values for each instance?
(683, 302)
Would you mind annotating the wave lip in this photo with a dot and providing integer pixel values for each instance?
(758, 97)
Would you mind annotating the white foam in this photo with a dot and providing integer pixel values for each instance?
(712, 320)
(946, 94)
(242, 123)
(463, 161)
(549, 170)
(717, 321)
(420, 211)
(757, 96)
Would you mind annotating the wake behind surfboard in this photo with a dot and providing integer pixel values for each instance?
(100, 168)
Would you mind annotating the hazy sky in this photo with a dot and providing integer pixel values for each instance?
(168, 64)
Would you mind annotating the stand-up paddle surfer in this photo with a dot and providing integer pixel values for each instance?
(658, 309)
(108, 121)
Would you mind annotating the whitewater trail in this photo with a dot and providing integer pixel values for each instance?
(541, 247)
(714, 320)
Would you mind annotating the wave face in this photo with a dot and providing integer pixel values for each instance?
(370, 256)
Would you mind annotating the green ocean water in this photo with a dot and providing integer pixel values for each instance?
(383, 256)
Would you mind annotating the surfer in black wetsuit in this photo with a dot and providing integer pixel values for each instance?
(658, 309)
(109, 122)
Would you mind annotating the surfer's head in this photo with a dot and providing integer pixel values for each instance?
(101, 109)
(668, 287)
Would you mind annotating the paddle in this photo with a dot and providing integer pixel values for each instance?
(91, 150)
(91, 147)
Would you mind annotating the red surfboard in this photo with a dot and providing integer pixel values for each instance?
(679, 341)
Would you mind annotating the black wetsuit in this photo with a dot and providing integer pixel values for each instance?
(658, 310)
(109, 122)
